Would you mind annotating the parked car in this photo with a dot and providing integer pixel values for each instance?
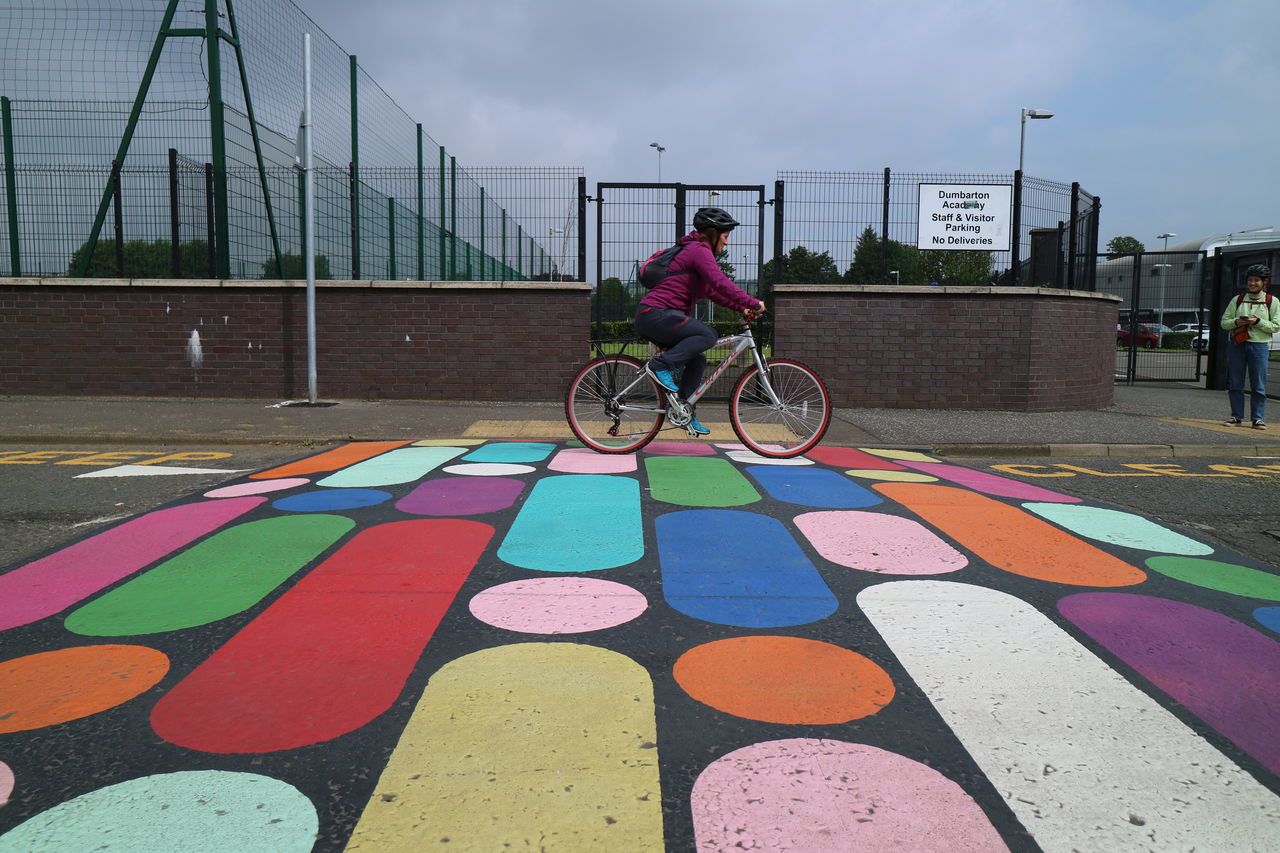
(1200, 343)
(1144, 337)
(1190, 327)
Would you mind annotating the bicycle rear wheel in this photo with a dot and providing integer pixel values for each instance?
(605, 418)
(793, 425)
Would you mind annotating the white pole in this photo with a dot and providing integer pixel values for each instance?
(310, 229)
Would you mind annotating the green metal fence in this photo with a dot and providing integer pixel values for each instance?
(220, 81)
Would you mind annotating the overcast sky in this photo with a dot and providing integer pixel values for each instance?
(1167, 109)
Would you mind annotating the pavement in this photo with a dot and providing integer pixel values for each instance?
(1151, 419)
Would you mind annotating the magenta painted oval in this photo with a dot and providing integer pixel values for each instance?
(260, 487)
(568, 605)
(50, 584)
(990, 484)
(875, 542)
(455, 496)
(580, 460)
(1221, 670)
(828, 795)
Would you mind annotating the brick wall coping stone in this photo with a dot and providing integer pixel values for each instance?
(949, 290)
(295, 283)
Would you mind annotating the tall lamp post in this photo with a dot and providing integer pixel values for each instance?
(555, 263)
(1026, 114)
(1165, 236)
(1158, 270)
(660, 150)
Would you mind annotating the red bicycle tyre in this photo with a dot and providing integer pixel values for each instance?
(793, 429)
(590, 405)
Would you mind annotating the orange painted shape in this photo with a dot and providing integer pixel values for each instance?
(784, 680)
(331, 460)
(1011, 539)
(54, 687)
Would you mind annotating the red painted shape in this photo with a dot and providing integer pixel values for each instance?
(334, 651)
(851, 457)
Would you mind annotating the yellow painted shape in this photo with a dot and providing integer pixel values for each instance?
(904, 455)
(533, 746)
(560, 429)
(1218, 426)
(448, 442)
(892, 476)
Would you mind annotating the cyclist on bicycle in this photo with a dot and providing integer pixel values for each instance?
(664, 315)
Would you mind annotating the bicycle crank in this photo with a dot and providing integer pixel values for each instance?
(679, 413)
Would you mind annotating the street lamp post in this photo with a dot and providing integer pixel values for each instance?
(660, 150)
(1165, 236)
(1026, 114)
(1158, 270)
(895, 275)
(555, 265)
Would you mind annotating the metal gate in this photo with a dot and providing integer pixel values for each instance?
(634, 220)
(1162, 334)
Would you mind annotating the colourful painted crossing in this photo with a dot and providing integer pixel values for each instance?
(483, 645)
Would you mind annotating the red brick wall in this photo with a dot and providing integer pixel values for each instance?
(518, 342)
(1014, 349)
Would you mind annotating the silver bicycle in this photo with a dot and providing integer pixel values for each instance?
(779, 407)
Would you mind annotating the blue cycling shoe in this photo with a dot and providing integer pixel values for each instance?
(663, 377)
(696, 427)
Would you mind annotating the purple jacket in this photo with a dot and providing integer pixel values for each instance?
(694, 275)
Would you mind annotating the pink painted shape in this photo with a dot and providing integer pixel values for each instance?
(875, 542)
(567, 605)
(50, 584)
(990, 484)
(6, 783)
(827, 795)
(261, 487)
(580, 460)
(679, 448)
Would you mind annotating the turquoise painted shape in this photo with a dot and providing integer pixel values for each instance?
(1118, 528)
(577, 523)
(405, 465)
(511, 452)
(193, 810)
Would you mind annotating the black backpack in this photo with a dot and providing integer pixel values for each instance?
(656, 268)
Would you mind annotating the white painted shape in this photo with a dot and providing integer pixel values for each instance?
(489, 469)
(755, 459)
(1085, 759)
(195, 354)
(155, 471)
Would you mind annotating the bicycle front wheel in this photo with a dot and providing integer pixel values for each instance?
(792, 425)
(613, 406)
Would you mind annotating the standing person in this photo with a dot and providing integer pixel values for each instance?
(665, 314)
(1257, 317)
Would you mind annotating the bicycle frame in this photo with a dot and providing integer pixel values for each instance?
(740, 342)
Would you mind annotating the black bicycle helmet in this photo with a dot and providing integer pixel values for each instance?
(1260, 270)
(713, 217)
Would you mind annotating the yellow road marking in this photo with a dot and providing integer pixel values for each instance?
(1216, 426)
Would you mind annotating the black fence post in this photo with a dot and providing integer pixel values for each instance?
(1093, 244)
(599, 318)
(11, 189)
(884, 229)
(208, 213)
(391, 228)
(1215, 373)
(1135, 301)
(355, 220)
(1059, 267)
(1015, 244)
(1073, 234)
(118, 204)
(175, 252)
(582, 229)
(680, 215)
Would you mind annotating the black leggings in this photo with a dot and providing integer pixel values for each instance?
(685, 338)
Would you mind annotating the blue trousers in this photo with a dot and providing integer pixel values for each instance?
(1250, 358)
(685, 338)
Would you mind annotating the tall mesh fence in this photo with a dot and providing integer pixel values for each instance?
(71, 72)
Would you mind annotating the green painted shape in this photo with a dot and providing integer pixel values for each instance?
(1223, 577)
(698, 481)
(1118, 528)
(224, 575)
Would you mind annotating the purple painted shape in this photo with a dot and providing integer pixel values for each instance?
(456, 496)
(679, 448)
(50, 584)
(990, 484)
(1221, 670)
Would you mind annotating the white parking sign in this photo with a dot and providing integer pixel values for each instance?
(965, 217)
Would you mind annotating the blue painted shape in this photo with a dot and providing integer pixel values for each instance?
(739, 568)
(511, 452)
(331, 499)
(812, 487)
(577, 523)
(1269, 617)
